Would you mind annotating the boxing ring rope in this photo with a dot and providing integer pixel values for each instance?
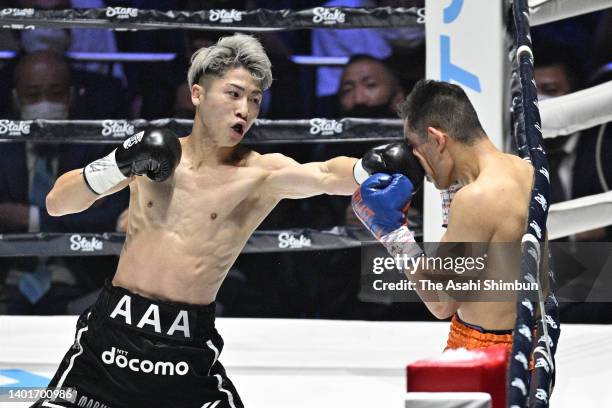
(547, 11)
(579, 215)
(264, 131)
(315, 130)
(528, 135)
(111, 243)
(122, 18)
(111, 57)
(576, 111)
(257, 20)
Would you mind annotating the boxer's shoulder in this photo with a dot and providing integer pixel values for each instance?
(483, 201)
(270, 161)
(509, 177)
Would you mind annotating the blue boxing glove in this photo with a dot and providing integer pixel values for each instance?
(381, 203)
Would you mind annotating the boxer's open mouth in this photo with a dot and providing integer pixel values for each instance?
(238, 128)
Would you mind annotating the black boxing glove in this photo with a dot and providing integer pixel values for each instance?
(154, 153)
(391, 158)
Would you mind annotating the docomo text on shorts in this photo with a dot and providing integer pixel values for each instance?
(120, 359)
(406, 263)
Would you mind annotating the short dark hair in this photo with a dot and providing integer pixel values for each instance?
(444, 106)
(383, 63)
(549, 54)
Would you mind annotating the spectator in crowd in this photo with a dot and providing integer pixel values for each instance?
(290, 282)
(91, 81)
(572, 158)
(573, 172)
(73, 40)
(383, 43)
(369, 89)
(43, 90)
(586, 37)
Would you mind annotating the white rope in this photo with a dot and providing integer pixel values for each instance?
(580, 110)
(543, 12)
(598, 163)
(579, 215)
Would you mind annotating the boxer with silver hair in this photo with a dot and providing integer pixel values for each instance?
(150, 338)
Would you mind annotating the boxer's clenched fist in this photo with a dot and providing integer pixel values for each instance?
(392, 158)
(154, 153)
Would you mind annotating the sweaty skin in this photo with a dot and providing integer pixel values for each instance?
(185, 233)
(492, 207)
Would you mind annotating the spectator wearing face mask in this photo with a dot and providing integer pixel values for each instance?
(369, 89)
(43, 90)
(92, 81)
(42, 87)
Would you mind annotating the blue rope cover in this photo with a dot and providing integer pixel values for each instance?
(526, 127)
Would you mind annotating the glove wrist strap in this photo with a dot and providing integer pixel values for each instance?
(401, 242)
(359, 173)
(447, 198)
(103, 174)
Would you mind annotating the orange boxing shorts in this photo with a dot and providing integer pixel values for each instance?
(470, 336)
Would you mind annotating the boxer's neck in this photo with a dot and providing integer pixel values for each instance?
(202, 147)
(470, 160)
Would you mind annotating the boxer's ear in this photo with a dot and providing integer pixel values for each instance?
(196, 91)
(438, 137)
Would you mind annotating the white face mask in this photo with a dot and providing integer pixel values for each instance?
(44, 110)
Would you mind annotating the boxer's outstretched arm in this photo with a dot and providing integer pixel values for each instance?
(70, 194)
(289, 179)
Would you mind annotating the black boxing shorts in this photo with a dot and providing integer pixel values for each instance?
(130, 351)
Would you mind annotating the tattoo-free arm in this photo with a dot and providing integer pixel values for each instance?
(289, 179)
(70, 194)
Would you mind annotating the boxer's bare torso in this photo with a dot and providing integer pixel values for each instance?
(493, 209)
(185, 233)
